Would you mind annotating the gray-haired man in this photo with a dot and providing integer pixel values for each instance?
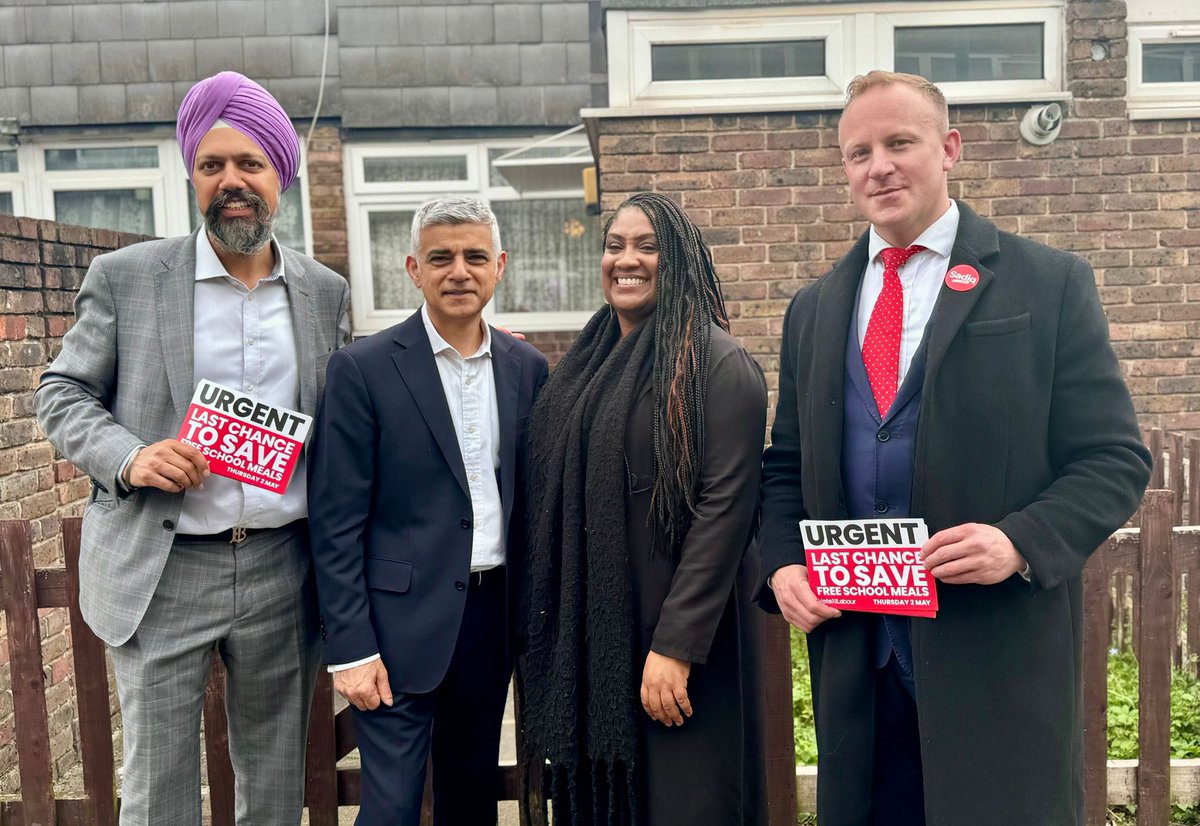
(416, 516)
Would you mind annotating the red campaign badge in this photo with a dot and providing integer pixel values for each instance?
(962, 277)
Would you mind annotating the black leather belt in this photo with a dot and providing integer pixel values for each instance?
(233, 536)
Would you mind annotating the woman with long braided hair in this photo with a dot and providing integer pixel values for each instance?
(644, 455)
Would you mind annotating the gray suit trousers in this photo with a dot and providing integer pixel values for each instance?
(255, 603)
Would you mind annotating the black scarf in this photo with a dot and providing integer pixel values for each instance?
(580, 684)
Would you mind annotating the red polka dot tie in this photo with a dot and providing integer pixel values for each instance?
(881, 345)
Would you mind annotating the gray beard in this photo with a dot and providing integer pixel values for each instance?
(245, 236)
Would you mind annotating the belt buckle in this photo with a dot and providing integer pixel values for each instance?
(238, 535)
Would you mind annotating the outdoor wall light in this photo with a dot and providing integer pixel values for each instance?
(1100, 50)
(1041, 124)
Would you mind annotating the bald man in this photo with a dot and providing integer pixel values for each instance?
(177, 561)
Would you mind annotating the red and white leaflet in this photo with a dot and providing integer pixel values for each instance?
(870, 565)
(244, 438)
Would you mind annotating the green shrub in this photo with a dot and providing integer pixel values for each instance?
(1122, 719)
(1123, 709)
(806, 735)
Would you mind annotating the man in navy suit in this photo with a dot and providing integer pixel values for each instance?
(416, 518)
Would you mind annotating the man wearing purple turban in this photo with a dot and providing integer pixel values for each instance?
(177, 562)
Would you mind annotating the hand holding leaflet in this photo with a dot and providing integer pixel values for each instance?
(872, 565)
(243, 438)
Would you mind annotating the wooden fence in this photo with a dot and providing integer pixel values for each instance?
(25, 590)
(1152, 558)
(1177, 464)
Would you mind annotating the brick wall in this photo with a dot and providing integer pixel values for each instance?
(41, 267)
(327, 199)
(771, 196)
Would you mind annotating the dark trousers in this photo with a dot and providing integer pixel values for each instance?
(461, 716)
(897, 791)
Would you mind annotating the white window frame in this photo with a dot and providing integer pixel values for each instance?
(644, 30)
(34, 187)
(13, 183)
(983, 91)
(363, 199)
(472, 183)
(1161, 100)
(859, 37)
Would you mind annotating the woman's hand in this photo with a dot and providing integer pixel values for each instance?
(664, 689)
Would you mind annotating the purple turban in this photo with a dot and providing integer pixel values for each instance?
(243, 104)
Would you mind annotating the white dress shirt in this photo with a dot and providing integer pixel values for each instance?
(243, 339)
(921, 278)
(470, 387)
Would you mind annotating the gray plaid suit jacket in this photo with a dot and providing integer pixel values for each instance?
(124, 378)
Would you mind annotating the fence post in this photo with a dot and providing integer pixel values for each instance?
(91, 689)
(780, 736)
(25, 669)
(1097, 609)
(1158, 474)
(1178, 485)
(1155, 640)
(320, 763)
(216, 737)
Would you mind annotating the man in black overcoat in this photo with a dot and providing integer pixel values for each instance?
(990, 403)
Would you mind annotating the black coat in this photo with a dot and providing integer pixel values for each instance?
(706, 771)
(1026, 424)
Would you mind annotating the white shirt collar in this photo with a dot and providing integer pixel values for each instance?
(208, 265)
(938, 236)
(440, 345)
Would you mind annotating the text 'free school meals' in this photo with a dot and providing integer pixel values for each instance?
(244, 438)
(870, 565)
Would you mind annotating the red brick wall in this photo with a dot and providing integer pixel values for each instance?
(41, 267)
(327, 200)
(771, 196)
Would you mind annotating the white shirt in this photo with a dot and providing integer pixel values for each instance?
(470, 388)
(921, 278)
(243, 339)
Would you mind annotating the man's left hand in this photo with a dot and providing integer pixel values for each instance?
(971, 554)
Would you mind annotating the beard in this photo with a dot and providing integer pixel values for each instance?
(245, 236)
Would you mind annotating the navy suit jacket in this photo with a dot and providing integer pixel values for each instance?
(389, 507)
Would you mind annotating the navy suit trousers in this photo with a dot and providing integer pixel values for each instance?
(462, 717)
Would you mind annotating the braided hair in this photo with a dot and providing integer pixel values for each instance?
(689, 302)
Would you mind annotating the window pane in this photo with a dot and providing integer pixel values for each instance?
(724, 61)
(553, 256)
(6, 203)
(415, 169)
(495, 178)
(8, 160)
(289, 222)
(1171, 63)
(390, 232)
(126, 210)
(965, 53)
(122, 157)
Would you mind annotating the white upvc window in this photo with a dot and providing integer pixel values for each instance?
(803, 57)
(1164, 70)
(977, 55)
(136, 185)
(684, 58)
(12, 201)
(108, 185)
(552, 280)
